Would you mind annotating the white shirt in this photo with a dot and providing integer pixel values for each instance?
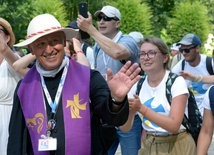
(155, 99)
(8, 80)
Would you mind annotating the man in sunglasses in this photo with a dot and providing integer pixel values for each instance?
(196, 64)
(112, 49)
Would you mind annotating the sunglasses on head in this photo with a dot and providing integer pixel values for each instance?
(187, 50)
(105, 18)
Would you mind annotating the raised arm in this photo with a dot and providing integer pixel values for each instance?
(80, 56)
(209, 79)
(6, 52)
(114, 50)
(21, 65)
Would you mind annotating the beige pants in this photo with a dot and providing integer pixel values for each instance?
(180, 144)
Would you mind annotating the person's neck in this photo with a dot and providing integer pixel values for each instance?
(1, 59)
(196, 61)
(112, 35)
(155, 79)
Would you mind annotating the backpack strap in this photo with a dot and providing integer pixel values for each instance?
(140, 83)
(209, 67)
(211, 97)
(84, 47)
(182, 64)
(169, 83)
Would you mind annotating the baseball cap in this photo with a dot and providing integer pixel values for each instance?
(72, 24)
(138, 37)
(109, 11)
(190, 39)
(175, 46)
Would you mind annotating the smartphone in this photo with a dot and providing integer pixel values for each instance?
(83, 10)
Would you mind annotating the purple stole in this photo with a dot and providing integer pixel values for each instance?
(76, 110)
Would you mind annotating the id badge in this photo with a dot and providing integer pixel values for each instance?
(47, 144)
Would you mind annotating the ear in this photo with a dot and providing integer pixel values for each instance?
(117, 24)
(31, 50)
(165, 58)
(7, 38)
(198, 49)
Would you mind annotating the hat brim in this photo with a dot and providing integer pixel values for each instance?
(10, 31)
(96, 14)
(69, 33)
(184, 43)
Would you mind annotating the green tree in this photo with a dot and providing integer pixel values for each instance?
(188, 18)
(56, 8)
(18, 14)
(135, 16)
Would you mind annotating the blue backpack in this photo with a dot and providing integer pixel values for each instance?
(193, 122)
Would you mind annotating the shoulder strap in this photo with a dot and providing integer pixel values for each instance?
(182, 64)
(211, 97)
(169, 82)
(84, 48)
(139, 84)
(209, 65)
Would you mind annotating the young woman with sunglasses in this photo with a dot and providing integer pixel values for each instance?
(164, 133)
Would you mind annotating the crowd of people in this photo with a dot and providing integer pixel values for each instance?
(51, 96)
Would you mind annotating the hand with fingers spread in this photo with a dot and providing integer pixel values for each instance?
(121, 83)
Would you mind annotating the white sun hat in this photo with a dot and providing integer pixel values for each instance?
(42, 25)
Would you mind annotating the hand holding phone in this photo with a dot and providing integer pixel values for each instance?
(83, 10)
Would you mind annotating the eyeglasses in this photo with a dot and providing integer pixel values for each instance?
(187, 50)
(150, 54)
(106, 19)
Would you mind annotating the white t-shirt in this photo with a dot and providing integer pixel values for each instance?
(90, 56)
(155, 99)
(198, 88)
(8, 82)
(206, 100)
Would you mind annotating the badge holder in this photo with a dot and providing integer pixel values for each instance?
(48, 143)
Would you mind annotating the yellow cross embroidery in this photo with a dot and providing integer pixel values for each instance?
(75, 106)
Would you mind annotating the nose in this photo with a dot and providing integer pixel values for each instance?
(49, 48)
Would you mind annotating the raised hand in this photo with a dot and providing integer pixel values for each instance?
(121, 83)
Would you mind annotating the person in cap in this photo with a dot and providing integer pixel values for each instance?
(195, 63)
(176, 54)
(54, 102)
(138, 37)
(85, 46)
(8, 78)
(111, 50)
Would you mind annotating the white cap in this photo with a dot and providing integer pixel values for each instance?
(175, 47)
(138, 37)
(109, 11)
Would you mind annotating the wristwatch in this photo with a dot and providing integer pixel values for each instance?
(117, 103)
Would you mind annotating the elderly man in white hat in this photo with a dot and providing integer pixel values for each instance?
(8, 78)
(112, 49)
(54, 101)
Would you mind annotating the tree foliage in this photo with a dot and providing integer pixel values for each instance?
(188, 18)
(56, 8)
(135, 16)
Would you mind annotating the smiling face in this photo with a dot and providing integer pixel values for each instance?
(49, 50)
